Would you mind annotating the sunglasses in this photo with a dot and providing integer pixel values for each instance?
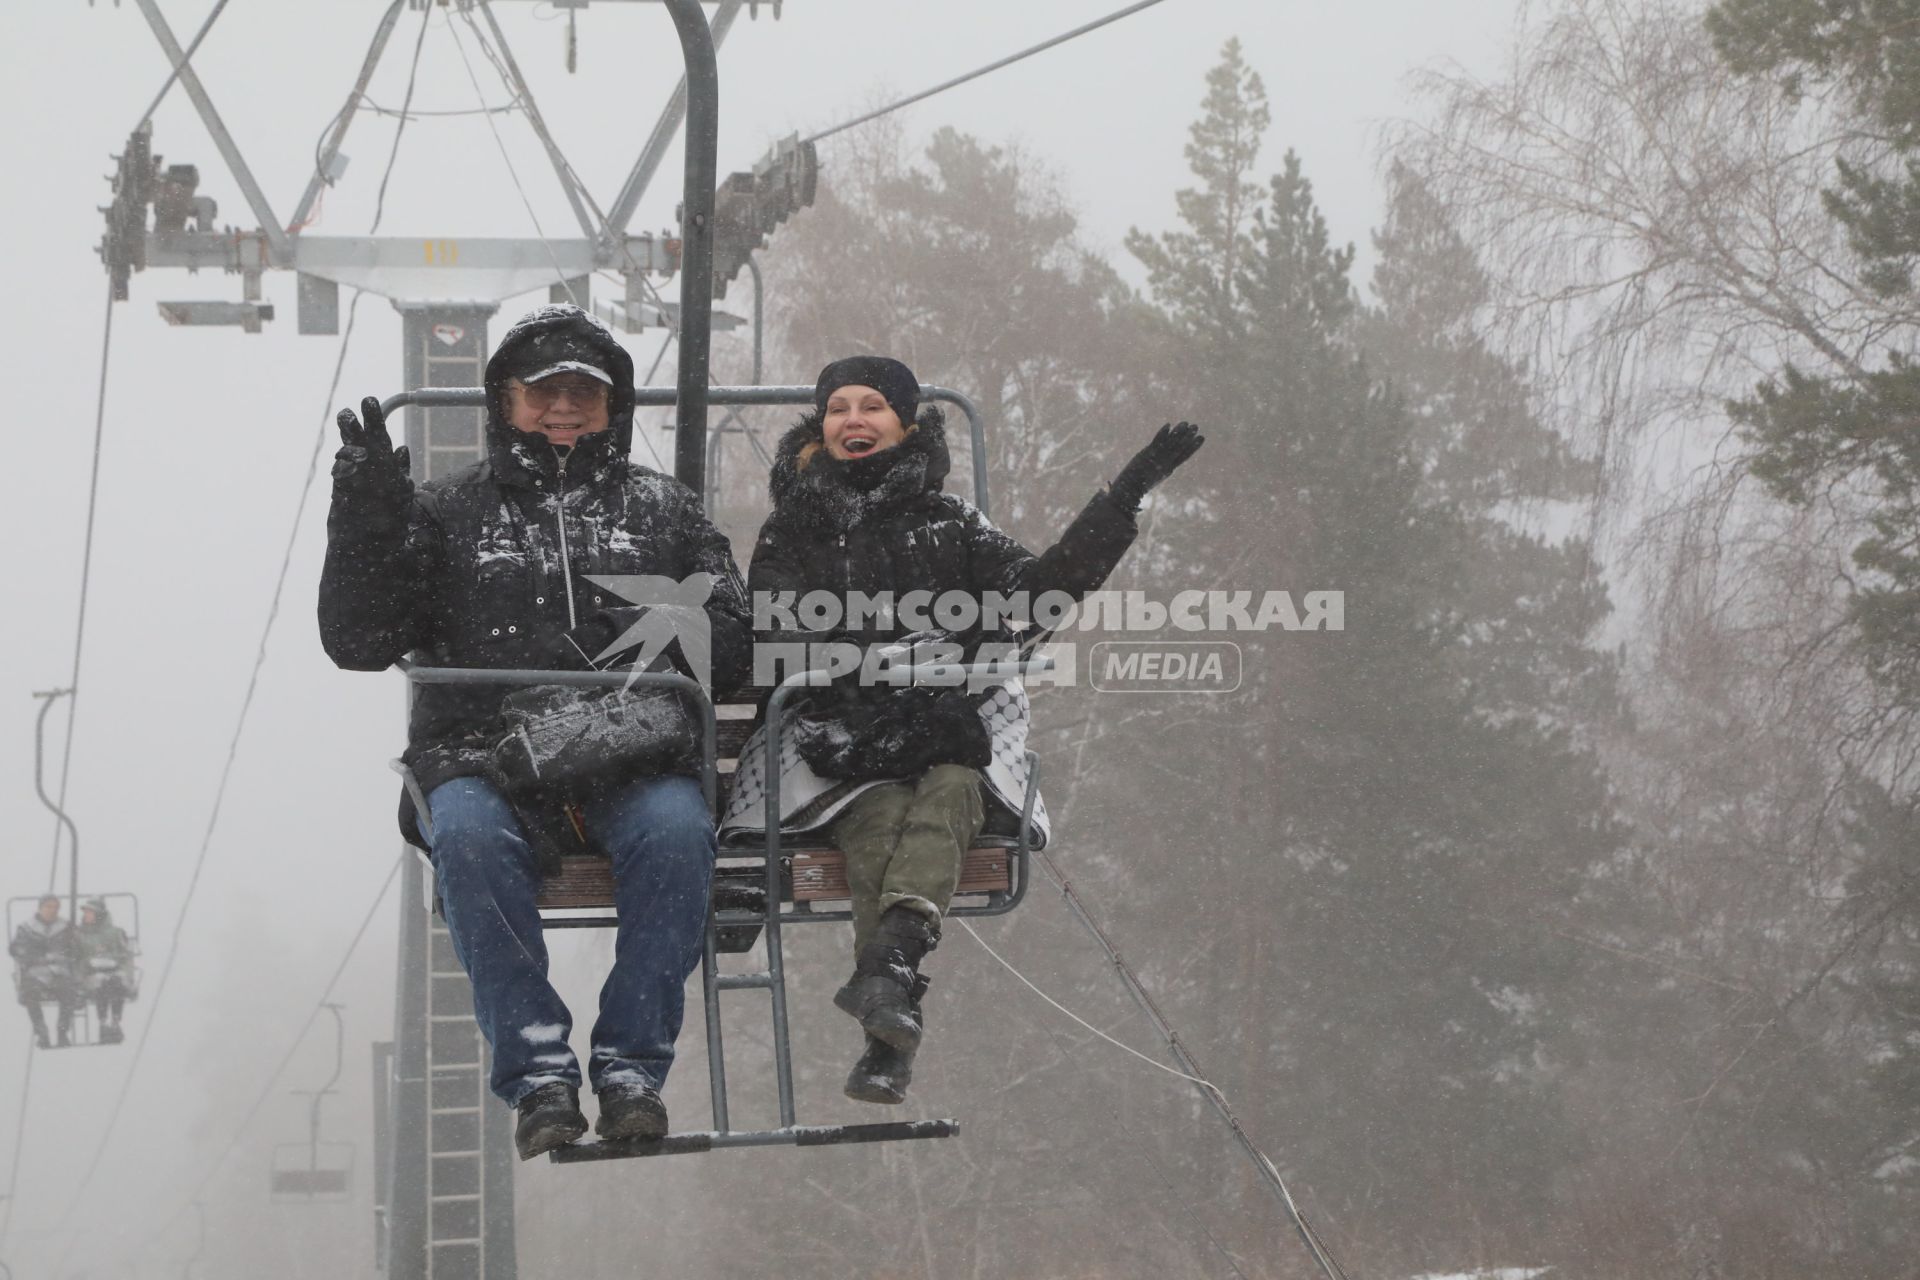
(546, 393)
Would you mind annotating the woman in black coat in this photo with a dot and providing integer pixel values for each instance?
(858, 507)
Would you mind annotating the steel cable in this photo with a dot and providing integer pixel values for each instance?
(975, 74)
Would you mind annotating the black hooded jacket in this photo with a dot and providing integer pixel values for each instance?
(490, 565)
(882, 523)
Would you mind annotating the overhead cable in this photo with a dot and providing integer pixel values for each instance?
(1268, 1171)
(516, 85)
(421, 113)
(86, 578)
(1225, 1253)
(1007, 61)
(559, 273)
(19, 1144)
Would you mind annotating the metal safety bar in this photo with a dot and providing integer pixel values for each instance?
(773, 979)
(806, 1135)
(660, 397)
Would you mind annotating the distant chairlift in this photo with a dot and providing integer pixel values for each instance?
(81, 983)
(311, 1171)
(763, 883)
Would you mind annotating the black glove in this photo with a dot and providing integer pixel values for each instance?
(1171, 445)
(368, 472)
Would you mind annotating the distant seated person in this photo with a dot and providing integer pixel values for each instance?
(858, 507)
(520, 561)
(106, 967)
(43, 953)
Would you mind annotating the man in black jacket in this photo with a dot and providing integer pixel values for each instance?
(503, 565)
(44, 949)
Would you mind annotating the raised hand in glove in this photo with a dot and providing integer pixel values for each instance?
(1172, 445)
(368, 471)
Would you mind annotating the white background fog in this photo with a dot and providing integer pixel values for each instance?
(209, 435)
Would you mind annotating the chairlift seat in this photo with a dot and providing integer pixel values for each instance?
(802, 871)
(85, 1033)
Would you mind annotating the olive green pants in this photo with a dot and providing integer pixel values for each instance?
(904, 842)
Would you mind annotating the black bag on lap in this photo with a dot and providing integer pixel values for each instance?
(565, 738)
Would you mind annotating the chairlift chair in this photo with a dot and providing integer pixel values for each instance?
(125, 910)
(764, 882)
(311, 1173)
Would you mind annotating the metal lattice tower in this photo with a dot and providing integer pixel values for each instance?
(449, 1197)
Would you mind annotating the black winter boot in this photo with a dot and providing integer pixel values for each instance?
(883, 1072)
(550, 1117)
(631, 1111)
(880, 992)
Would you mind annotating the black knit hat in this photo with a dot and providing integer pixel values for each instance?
(884, 374)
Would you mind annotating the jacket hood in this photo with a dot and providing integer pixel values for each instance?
(811, 485)
(566, 332)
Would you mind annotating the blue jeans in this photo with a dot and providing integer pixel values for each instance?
(659, 832)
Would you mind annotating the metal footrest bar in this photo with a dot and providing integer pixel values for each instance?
(744, 981)
(806, 1135)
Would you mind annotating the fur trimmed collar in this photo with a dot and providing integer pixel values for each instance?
(812, 486)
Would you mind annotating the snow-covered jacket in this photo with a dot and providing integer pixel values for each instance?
(104, 944)
(882, 523)
(44, 951)
(491, 564)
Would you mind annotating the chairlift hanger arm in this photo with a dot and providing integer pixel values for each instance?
(270, 226)
(320, 1094)
(344, 120)
(48, 698)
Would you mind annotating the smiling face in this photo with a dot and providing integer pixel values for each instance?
(562, 408)
(859, 422)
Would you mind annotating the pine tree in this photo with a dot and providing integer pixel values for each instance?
(1427, 808)
(1857, 429)
(1195, 272)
